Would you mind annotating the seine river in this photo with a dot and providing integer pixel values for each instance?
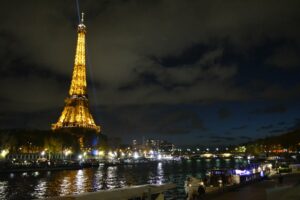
(57, 183)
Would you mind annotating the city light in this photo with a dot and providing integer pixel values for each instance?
(95, 152)
(136, 155)
(111, 155)
(101, 153)
(4, 152)
(226, 155)
(159, 156)
(67, 152)
(242, 172)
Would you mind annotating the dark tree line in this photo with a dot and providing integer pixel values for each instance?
(29, 141)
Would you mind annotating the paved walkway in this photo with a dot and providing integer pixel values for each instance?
(259, 190)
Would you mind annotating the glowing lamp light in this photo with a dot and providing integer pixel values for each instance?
(159, 157)
(111, 155)
(101, 153)
(242, 172)
(269, 165)
(42, 153)
(68, 152)
(79, 156)
(4, 152)
(207, 155)
(262, 174)
(95, 152)
(135, 155)
(226, 155)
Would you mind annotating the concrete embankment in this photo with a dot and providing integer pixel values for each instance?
(268, 189)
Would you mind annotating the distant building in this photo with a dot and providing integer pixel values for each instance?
(153, 144)
(165, 146)
(134, 143)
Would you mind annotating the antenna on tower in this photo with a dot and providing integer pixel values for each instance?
(82, 17)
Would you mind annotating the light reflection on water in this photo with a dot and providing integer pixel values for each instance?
(80, 181)
(160, 173)
(59, 183)
(40, 189)
(65, 186)
(111, 177)
(3, 186)
(97, 180)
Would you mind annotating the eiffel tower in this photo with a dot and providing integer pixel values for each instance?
(76, 114)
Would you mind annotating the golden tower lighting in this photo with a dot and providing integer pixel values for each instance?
(76, 113)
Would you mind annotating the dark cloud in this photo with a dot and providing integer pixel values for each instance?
(239, 127)
(224, 113)
(222, 138)
(245, 138)
(271, 110)
(266, 127)
(279, 92)
(281, 123)
(277, 131)
(295, 125)
(285, 58)
(125, 36)
(159, 120)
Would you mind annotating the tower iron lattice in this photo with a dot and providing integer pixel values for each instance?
(76, 113)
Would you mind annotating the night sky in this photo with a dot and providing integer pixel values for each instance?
(191, 72)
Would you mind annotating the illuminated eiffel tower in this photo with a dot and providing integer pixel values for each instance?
(76, 114)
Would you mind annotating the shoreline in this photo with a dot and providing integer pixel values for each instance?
(258, 189)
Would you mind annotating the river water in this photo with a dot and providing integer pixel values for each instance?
(57, 183)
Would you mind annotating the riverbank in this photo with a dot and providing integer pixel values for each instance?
(265, 189)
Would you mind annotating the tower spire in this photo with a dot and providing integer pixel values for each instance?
(82, 18)
(76, 113)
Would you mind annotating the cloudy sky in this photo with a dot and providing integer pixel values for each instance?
(192, 72)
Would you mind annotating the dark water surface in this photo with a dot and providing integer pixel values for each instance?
(57, 183)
